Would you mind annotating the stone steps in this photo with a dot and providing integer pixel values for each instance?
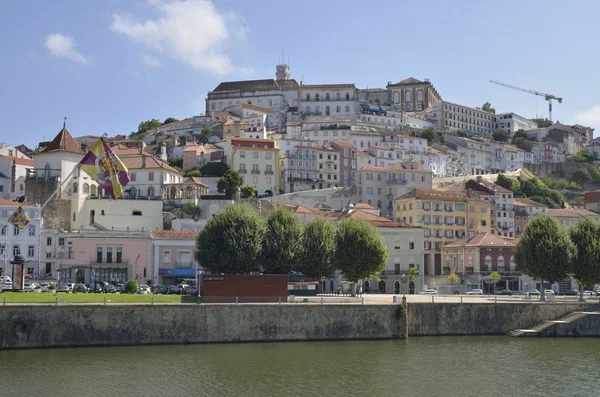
(535, 331)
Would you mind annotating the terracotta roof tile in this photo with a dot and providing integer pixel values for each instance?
(136, 162)
(571, 213)
(342, 144)
(525, 202)
(436, 195)
(19, 160)
(373, 219)
(175, 234)
(63, 142)
(9, 203)
(364, 206)
(482, 240)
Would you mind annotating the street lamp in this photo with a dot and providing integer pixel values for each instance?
(404, 280)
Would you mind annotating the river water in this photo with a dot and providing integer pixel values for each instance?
(433, 366)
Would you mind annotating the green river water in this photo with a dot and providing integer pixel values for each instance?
(433, 366)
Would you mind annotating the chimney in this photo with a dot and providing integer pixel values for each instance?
(143, 160)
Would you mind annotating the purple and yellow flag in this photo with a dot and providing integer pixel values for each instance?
(19, 219)
(103, 166)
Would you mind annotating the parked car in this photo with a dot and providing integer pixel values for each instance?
(110, 289)
(144, 289)
(549, 292)
(175, 289)
(45, 286)
(533, 292)
(160, 289)
(505, 292)
(572, 292)
(63, 288)
(80, 288)
(192, 291)
(589, 293)
(429, 291)
(29, 287)
(475, 291)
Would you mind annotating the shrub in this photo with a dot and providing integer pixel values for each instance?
(131, 287)
(51, 286)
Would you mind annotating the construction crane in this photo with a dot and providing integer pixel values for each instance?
(547, 97)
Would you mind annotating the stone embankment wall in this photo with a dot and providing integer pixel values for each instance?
(483, 319)
(77, 325)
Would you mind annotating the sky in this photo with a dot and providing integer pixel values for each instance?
(108, 65)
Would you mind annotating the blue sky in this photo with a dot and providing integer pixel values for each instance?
(107, 65)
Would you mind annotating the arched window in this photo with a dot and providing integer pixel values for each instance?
(369, 202)
(501, 263)
(382, 287)
(408, 96)
(488, 263)
(420, 96)
(307, 109)
(379, 177)
(378, 203)
(338, 109)
(327, 96)
(86, 188)
(327, 111)
(396, 287)
(93, 190)
(347, 108)
(396, 98)
(75, 186)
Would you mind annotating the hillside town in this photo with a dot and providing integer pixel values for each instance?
(449, 186)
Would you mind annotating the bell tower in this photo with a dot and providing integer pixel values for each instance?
(282, 72)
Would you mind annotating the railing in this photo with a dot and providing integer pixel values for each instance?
(43, 174)
(242, 171)
(269, 172)
(255, 171)
(300, 179)
(396, 181)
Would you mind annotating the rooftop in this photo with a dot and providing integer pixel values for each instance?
(435, 195)
(63, 142)
(592, 197)
(19, 160)
(571, 213)
(482, 240)
(175, 234)
(525, 202)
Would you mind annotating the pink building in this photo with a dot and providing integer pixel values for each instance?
(347, 155)
(172, 256)
(108, 256)
(525, 209)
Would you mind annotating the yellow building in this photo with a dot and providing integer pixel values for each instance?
(446, 216)
(257, 160)
(328, 167)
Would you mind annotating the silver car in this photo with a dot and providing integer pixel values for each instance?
(63, 288)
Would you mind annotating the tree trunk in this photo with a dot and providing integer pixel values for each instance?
(581, 293)
(542, 294)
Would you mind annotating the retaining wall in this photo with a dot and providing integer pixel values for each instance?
(78, 325)
(482, 319)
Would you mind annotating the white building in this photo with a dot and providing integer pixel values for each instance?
(13, 171)
(329, 101)
(324, 131)
(450, 116)
(512, 122)
(25, 241)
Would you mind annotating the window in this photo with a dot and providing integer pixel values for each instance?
(488, 263)
(31, 230)
(151, 176)
(338, 109)
(119, 255)
(255, 180)
(327, 111)
(166, 256)
(31, 251)
(242, 154)
(61, 241)
(483, 223)
(136, 213)
(16, 250)
(70, 250)
(184, 259)
(16, 231)
(108, 254)
(98, 254)
(75, 187)
(255, 155)
(48, 255)
(411, 245)
(268, 155)
(3, 230)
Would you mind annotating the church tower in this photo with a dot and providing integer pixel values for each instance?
(282, 72)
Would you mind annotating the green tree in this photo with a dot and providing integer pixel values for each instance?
(501, 136)
(581, 175)
(519, 137)
(191, 210)
(462, 134)
(432, 136)
(413, 274)
(318, 249)
(148, 125)
(206, 133)
(542, 122)
(493, 278)
(229, 183)
(176, 163)
(453, 279)
(231, 241)
(585, 235)
(248, 191)
(283, 239)
(131, 287)
(361, 252)
(169, 120)
(487, 107)
(193, 172)
(545, 251)
(214, 169)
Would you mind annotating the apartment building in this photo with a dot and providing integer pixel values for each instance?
(379, 186)
(300, 169)
(328, 167)
(171, 256)
(325, 131)
(445, 216)
(13, 171)
(257, 160)
(568, 217)
(525, 209)
(347, 166)
(449, 116)
(512, 122)
(502, 205)
(333, 101)
(477, 155)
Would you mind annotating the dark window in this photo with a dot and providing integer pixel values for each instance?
(99, 254)
(137, 213)
(119, 254)
(108, 254)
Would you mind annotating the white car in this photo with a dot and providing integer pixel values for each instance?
(29, 287)
(144, 289)
(64, 288)
(548, 292)
(429, 291)
(589, 293)
(475, 291)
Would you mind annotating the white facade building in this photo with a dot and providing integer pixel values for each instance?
(512, 122)
(329, 101)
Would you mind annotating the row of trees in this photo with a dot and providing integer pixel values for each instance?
(532, 188)
(238, 240)
(211, 169)
(549, 252)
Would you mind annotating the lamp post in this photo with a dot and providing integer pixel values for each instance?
(404, 280)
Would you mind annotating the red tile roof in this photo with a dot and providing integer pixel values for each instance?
(63, 142)
(19, 160)
(525, 202)
(342, 144)
(9, 203)
(436, 195)
(364, 206)
(571, 213)
(175, 234)
(482, 240)
(375, 220)
(592, 197)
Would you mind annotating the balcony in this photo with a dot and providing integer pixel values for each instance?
(242, 171)
(335, 127)
(390, 196)
(255, 171)
(300, 179)
(268, 172)
(43, 174)
(396, 181)
(183, 264)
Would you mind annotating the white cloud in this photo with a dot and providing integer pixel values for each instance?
(590, 117)
(192, 31)
(63, 46)
(151, 62)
